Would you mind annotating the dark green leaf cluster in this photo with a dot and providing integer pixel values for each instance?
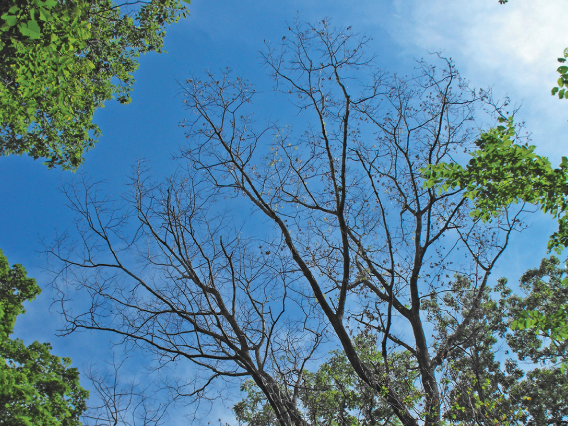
(544, 391)
(36, 387)
(542, 395)
(473, 378)
(254, 410)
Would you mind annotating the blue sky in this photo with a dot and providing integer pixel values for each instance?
(511, 48)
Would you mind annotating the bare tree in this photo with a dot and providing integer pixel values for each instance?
(341, 232)
(122, 402)
(187, 286)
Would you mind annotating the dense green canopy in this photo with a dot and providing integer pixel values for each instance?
(36, 387)
(334, 394)
(62, 59)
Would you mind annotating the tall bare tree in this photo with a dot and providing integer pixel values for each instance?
(339, 233)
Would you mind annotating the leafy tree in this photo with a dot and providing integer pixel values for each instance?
(499, 173)
(36, 387)
(254, 409)
(538, 397)
(540, 335)
(542, 396)
(543, 309)
(334, 395)
(62, 59)
(503, 172)
(473, 378)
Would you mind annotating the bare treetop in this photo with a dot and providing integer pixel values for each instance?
(341, 233)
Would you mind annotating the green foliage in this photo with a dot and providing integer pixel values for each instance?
(15, 288)
(542, 314)
(62, 59)
(560, 90)
(479, 388)
(253, 410)
(473, 378)
(480, 402)
(542, 396)
(544, 391)
(502, 172)
(334, 395)
(36, 388)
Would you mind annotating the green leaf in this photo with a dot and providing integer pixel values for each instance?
(32, 30)
(10, 19)
(44, 15)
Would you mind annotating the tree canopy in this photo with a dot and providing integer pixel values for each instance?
(36, 387)
(62, 59)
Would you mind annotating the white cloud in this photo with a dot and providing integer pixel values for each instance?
(511, 47)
